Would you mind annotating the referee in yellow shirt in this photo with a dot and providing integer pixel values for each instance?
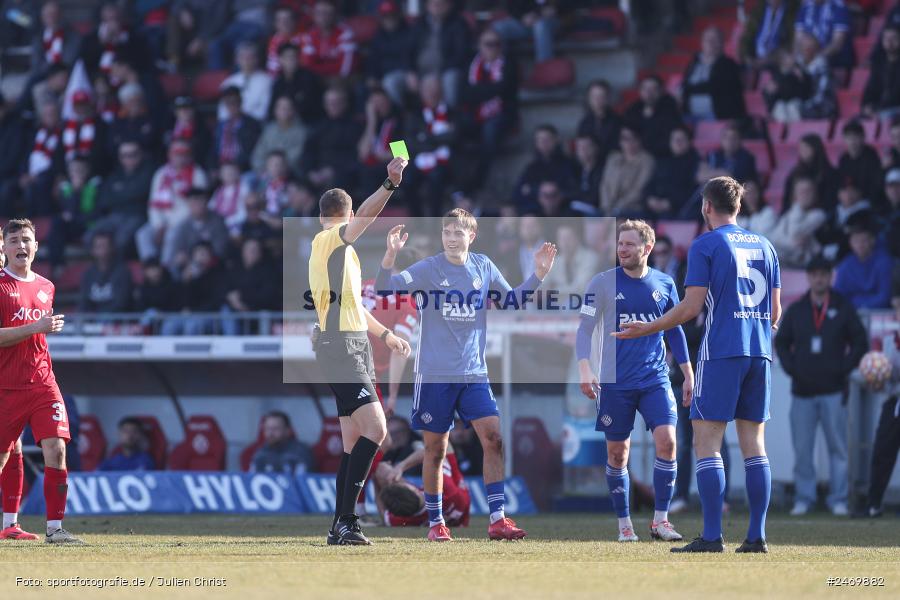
(342, 348)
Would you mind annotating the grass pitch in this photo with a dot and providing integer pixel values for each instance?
(565, 556)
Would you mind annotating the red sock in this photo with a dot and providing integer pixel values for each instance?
(55, 488)
(11, 481)
(362, 493)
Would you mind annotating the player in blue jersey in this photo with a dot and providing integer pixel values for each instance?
(452, 291)
(736, 274)
(634, 373)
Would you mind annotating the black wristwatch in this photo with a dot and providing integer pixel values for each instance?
(389, 185)
(385, 334)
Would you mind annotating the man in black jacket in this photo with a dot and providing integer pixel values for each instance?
(442, 43)
(820, 341)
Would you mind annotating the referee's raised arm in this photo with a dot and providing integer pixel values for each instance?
(374, 204)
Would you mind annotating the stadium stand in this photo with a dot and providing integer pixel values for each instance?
(91, 442)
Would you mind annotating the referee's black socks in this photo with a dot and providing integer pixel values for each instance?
(339, 487)
(359, 463)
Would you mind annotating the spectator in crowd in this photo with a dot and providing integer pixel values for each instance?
(441, 44)
(132, 452)
(254, 83)
(589, 172)
(654, 114)
(382, 126)
(200, 225)
(468, 450)
(302, 202)
(519, 259)
(390, 57)
(50, 88)
(328, 48)
(712, 87)
(431, 133)
(54, 42)
(110, 39)
(820, 341)
(674, 178)
(755, 214)
(202, 283)
(863, 275)
(287, 31)
(575, 264)
(77, 208)
(247, 21)
(549, 164)
(768, 30)
(301, 85)
(860, 163)
(236, 133)
(126, 70)
(133, 122)
(662, 258)
(157, 292)
(536, 19)
(30, 193)
(794, 234)
(84, 133)
(106, 101)
(829, 22)
(285, 133)
(891, 158)
(228, 199)
(190, 29)
(282, 452)
(881, 95)
(491, 96)
(625, 176)
(106, 285)
(404, 441)
(813, 163)
(273, 183)
(328, 154)
(802, 87)
(887, 434)
(892, 194)
(600, 121)
(851, 207)
(122, 202)
(258, 223)
(167, 206)
(251, 286)
(189, 128)
(13, 134)
(552, 201)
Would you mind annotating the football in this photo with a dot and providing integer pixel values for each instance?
(876, 369)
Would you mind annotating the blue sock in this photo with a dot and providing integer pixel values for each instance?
(711, 486)
(759, 490)
(434, 506)
(664, 473)
(496, 497)
(618, 482)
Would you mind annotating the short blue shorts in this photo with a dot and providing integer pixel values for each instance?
(616, 409)
(732, 388)
(436, 404)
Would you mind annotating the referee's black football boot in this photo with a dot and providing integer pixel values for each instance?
(701, 545)
(758, 546)
(349, 533)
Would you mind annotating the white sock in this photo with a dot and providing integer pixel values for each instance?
(438, 522)
(660, 515)
(53, 526)
(496, 516)
(625, 522)
(9, 519)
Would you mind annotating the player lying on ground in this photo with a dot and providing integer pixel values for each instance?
(455, 288)
(736, 274)
(28, 390)
(403, 504)
(343, 352)
(635, 373)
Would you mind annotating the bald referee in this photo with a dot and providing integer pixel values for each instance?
(342, 348)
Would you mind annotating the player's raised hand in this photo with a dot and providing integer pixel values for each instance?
(396, 238)
(632, 330)
(50, 324)
(398, 345)
(395, 170)
(543, 259)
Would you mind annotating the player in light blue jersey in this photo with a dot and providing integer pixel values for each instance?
(736, 274)
(634, 375)
(453, 290)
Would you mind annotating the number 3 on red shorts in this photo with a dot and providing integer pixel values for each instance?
(60, 411)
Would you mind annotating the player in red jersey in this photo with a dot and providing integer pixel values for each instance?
(28, 390)
(403, 504)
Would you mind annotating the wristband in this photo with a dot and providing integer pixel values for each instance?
(385, 334)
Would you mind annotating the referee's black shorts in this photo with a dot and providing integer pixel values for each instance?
(346, 360)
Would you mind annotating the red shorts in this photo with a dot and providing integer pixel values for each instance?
(40, 406)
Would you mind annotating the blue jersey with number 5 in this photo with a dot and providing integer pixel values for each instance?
(739, 268)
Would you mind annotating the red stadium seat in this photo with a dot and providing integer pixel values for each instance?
(673, 62)
(709, 131)
(775, 131)
(682, 233)
(798, 129)
(760, 151)
(173, 84)
(330, 447)
(364, 27)
(553, 73)
(535, 458)
(686, 43)
(627, 97)
(70, 280)
(158, 446)
(849, 103)
(858, 78)
(863, 47)
(756, 104)
(206, 85)
(203, 448)
(91, 442)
